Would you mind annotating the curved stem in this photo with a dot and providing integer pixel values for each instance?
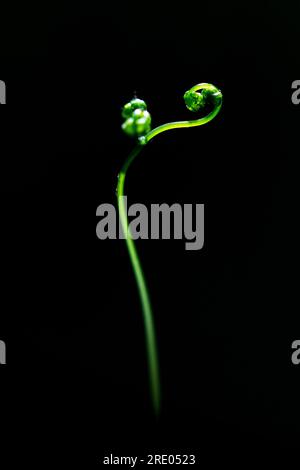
(182, 124)
(152, 355)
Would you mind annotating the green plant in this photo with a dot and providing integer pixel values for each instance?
(138, 124)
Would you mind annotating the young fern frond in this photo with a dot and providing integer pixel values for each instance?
(138, 124)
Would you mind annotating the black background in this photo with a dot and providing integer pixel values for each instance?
(76, 385)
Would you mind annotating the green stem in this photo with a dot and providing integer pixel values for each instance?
(142, 288)
(186, 124)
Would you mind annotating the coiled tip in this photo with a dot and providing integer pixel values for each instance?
(209, 96)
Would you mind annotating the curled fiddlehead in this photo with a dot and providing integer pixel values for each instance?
(138, 124)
